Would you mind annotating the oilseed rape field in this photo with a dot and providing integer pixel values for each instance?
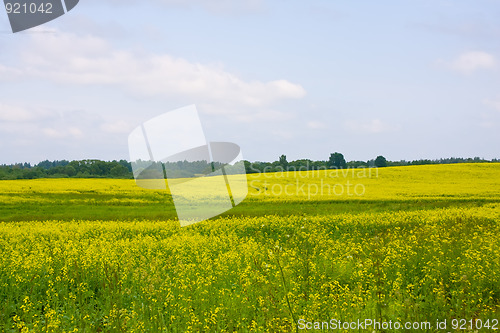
(313, 250)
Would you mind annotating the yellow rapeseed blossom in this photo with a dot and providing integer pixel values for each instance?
(426, 248)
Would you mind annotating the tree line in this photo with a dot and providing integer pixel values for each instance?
(67, 169)
(123, 169)
(337, 161)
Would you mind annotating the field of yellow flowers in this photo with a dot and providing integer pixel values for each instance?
(420, 244)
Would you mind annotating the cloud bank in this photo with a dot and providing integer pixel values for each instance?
(470, 62)
(67, 58)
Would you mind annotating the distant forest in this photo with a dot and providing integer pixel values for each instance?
(123, 169)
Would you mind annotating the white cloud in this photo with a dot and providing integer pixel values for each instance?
(46, 122)
(9, 113)
(488, 120)
(245, 115)
(470, 62)
(70, 59)
(7, 73)
(216, 6)
(495, 104)
(373, 126)
(118, 127)
(19, 114)
(62, 133)
(316, 125)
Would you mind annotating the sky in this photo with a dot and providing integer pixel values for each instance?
(403, 79)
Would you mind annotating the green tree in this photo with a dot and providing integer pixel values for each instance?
(336, 161)
(283, 162)
(69, 170)
(118, 171)
(380, 162)
(357, 164)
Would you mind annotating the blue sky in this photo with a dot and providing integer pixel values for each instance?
(403, 79)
